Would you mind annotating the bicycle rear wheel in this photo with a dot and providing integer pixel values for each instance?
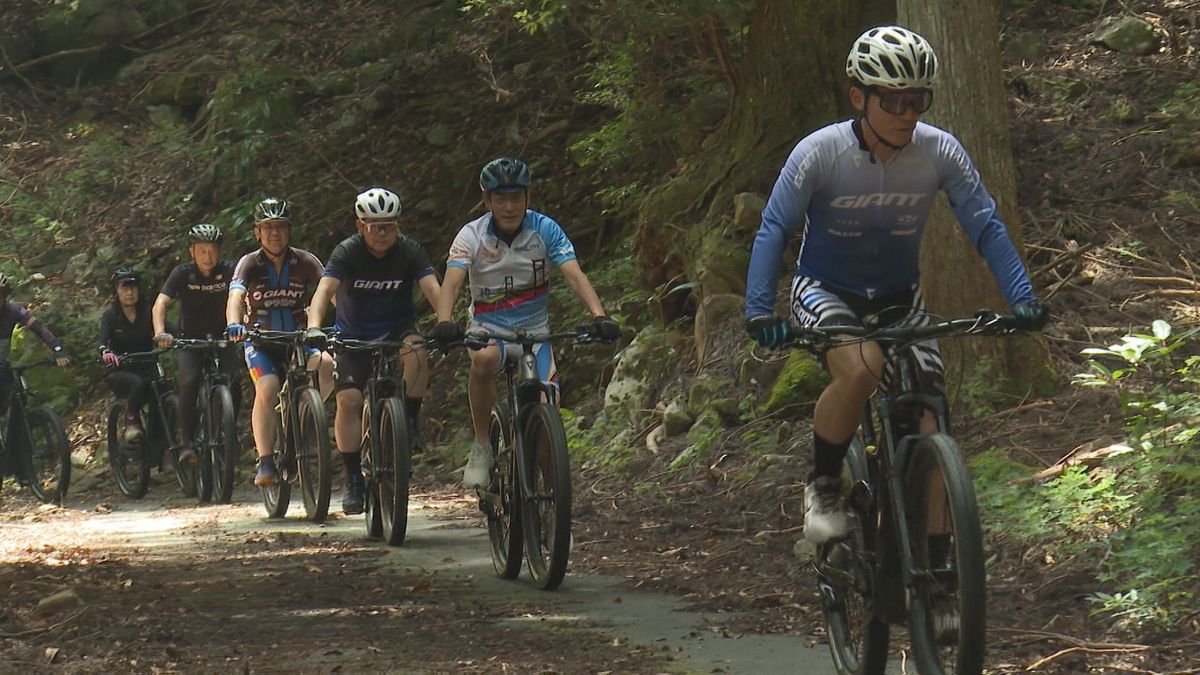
(49, 455)
(546, 509)
(130, 462)
(188, 476)
(224, 443)
(504, 524)
(312, 454)
(277, 497)
(948, 606)
(369, 450)
(858, 636)
(392, 471)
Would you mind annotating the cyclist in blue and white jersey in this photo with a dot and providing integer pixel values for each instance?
(860, 192)
(270, 289)
(373, 275)
(505, 254)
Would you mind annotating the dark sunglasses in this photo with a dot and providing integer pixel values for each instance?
(896, 102)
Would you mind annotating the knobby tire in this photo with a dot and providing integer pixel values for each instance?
(129, 462)
(504, 522)
(965, 583)
(312, 454)
(49, 455)
(395, 451)
(546, 510)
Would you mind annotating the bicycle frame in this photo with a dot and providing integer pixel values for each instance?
(17, 405)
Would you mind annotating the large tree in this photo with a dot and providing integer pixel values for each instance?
(790, 81)
(971, 103)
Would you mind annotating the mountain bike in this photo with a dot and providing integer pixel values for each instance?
(301, 450)
(37, 453)
(528, 502)
(131, 462)
(215, 437)
(386, 439)
(897, 564)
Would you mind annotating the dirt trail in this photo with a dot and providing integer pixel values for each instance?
(165, 586)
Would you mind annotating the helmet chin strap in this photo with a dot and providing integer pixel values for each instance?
(878, 138)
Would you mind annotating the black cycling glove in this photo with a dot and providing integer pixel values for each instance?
(1031, 315)
(315, 338)
(446, 332)
(605, 328)
(769, 330)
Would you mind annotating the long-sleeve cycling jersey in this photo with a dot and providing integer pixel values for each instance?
(13, 314)
(863, 220)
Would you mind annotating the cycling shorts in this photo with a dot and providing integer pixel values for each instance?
(269, 359)
(815, 305)
(352, 369)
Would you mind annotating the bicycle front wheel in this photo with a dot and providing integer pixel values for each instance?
(312, 454)
(202, 444)
(545, 474)
(130, 462)
(49, 455)
(277, 496)
(503, 522)
(368, 448)
(392, 471)
(858, 636)
(223, 440)
(948, 605)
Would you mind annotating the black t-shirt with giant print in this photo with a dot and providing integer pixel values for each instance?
(375, 295)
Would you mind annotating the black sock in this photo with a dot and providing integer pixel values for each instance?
(353, 462)
(828, 456)
(412, 406)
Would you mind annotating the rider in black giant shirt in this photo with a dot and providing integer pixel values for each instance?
(201, 287)
(373, 275)
(126, 327)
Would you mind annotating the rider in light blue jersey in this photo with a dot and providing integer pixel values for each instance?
(859, 192)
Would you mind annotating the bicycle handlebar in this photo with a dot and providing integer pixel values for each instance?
(274, 336)
(199, 343)
(356, 345)
(478, 339)
(984, 322)
(21, 367)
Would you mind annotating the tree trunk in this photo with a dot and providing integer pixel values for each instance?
(791, 81)
(972, 104)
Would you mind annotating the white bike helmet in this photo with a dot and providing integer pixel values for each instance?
(204, 233)
(377, 203)
(892, 57)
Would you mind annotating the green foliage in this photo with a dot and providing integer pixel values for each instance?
(657, 74)
(598, 442)
(1133, 516)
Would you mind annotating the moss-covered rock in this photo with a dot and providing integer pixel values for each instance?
(1128, 35)
(641, 366)
(676, 418)
(799, 383)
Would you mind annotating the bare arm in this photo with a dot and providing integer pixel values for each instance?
(582, 286)
(448, 294)
(158, 314)
(326, 288)
(431, 289)
(234, 307)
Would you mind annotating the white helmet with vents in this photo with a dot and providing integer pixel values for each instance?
(892, 57)
(377, 203)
